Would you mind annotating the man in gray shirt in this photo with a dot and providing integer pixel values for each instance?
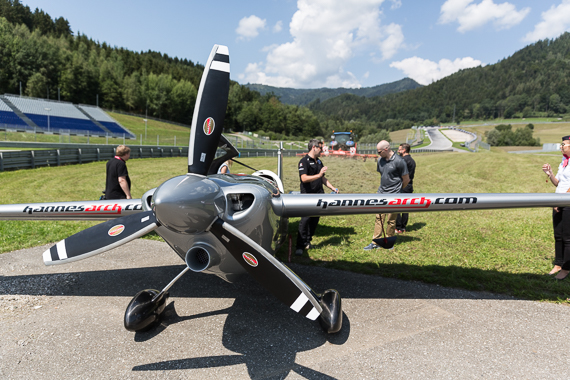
(394, 176)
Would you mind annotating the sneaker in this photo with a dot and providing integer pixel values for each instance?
(299, 252)
(371, 246)
(309, 246)
(400, 231)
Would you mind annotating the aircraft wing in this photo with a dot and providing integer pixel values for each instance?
(82, 210)
(300, 205)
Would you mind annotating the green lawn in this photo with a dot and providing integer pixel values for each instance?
(165, 131)
(504, 251)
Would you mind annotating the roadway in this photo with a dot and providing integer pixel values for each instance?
(438, 140)
(65, 322)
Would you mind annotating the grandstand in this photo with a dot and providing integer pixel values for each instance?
(8, 118)
(57, 117)
(107, 121)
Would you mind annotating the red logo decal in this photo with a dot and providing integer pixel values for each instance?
(116, 230)
(250, 259)
(209, 126)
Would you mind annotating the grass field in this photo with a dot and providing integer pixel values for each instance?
(504, 251)
(166, 131)
(547, 132)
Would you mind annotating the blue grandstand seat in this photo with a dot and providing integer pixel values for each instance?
(115, 128)
(10, 118)
(57, 123)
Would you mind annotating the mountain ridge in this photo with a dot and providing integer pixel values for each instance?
(303, 97)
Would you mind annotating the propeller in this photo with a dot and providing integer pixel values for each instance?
(101, 238)
(280, 280)
(209, 112)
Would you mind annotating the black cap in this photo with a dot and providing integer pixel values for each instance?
(566, 138)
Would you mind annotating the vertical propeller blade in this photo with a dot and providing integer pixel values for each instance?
(101, 238)
(270, 272)
(210, 110)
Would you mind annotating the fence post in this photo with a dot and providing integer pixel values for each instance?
(1, 162)
(79, 154)
(33, 157)
(58, 158)
(151, 153)
(98, 154)
(140, 152)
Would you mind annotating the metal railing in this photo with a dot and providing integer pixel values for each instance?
(31, 159)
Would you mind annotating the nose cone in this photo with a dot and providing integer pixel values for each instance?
(188, 204)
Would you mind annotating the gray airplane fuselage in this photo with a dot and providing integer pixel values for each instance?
(193, 202)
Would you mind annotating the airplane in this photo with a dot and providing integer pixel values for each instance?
(231, 225)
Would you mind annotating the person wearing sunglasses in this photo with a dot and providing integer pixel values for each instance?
(561, 215)
(394, 177)
(312, 175)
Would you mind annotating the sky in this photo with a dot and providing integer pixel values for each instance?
(322, 43)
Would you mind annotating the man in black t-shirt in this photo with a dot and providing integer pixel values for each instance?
(404, 151)
(118, 184)
(312, 176)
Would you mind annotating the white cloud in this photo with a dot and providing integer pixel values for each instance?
(326, 35)
(396, 4)
(278, 26)
(425, 71)
(555, 21)
(471, 16)
(248, 27)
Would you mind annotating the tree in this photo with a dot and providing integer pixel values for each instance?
(183, 98)
(37, 86)
(43, 22)
(62, 28)
(132, 92)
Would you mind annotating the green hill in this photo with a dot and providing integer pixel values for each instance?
(532, 82)
(302, 97)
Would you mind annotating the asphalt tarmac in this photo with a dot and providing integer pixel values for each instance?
(66, 322)
(438, 140)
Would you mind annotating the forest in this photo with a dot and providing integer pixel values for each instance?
(302, 97)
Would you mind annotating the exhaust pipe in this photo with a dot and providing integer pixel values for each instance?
(199, 257)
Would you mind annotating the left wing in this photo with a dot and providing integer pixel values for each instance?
(299, 205)
(82, 210)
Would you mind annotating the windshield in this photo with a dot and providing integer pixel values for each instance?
(342, 142)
